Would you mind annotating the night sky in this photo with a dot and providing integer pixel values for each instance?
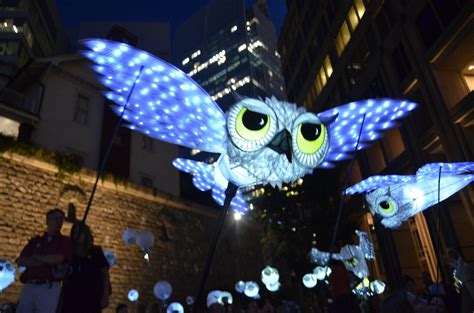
(175, 12)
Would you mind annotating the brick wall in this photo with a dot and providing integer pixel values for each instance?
(29, 188)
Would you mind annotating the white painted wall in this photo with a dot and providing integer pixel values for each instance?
(57, 129)
(156, 164)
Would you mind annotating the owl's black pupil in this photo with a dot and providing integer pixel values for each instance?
(254, 120)
(384, 205)
(311, 131)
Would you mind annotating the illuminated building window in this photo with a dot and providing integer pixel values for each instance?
(8, 26)
(468, 75)
(324, 73)
(232, 86)
(185, 61)
(353, 18)
(233, 29)
(360, 8)
(196, 54)
(242, 47)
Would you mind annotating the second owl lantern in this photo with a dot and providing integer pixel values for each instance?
(260, 142)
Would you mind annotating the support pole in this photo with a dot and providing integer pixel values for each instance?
(229, 195)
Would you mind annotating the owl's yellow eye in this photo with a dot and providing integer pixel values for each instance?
(252, 125)
(386, 206)
(310, 137)
(352, 262)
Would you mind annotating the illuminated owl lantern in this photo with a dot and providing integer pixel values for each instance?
(393, 199)
(354, 257)
(259, 141)
(7, 274)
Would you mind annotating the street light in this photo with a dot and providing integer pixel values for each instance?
(237, 216)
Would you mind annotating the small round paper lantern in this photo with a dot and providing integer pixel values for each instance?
(270, 275)
(213, 297)
(309, 280)
(162, 290)
(189, 300)
(225, 295)
(175, 307)
(251, 289)
(240, 286)
(322, 272)
(110, 257)
(7, 274)
(273, 287)
(145, 240)
(133, 295)
(129, 236)
(377, 286)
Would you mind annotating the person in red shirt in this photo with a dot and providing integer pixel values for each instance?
(45, 258)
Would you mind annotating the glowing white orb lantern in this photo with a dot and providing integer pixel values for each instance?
(310, 280)
(133, 295)
(273, 287)
(162, 290)
(270, 275)
(129, 236)
(146, 241)
(321, 272)
(7, 274)
(189, 300)
(251, 289)
(225, 298)
(213, 297)
(377, 286)
(110, 257)
(175, 307)
(240, 286)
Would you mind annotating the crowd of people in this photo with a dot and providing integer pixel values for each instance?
(71, 275)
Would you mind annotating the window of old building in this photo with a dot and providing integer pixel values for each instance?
(81, 113)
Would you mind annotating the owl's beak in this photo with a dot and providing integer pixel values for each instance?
(281, 143)
(377, 218)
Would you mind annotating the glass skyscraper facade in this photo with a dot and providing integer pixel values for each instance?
(228, 48)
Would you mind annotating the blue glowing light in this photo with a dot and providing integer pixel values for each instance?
(240, 286)
(110, 257)
(168, 105)
(396, 198)
(175, 307)
(354, 257)
(133, 295)
(7, 274)
(204, 180)
(344, 131)
(158, 78)
(310, 280)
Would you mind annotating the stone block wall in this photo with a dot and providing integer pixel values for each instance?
(29, 188)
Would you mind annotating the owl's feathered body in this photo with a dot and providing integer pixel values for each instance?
(394, 199)
(260, 141)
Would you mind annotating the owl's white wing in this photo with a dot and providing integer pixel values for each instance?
(164, 104)
(203, 179)
(432, 169)
(380, 115)
(375, 182)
